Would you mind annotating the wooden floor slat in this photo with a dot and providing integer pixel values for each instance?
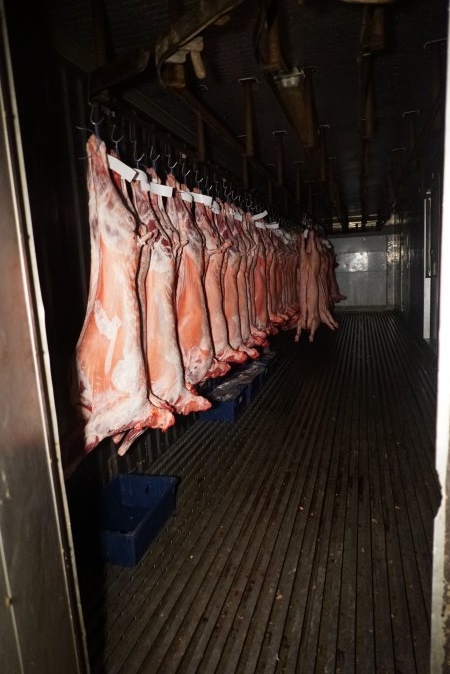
(302, 538)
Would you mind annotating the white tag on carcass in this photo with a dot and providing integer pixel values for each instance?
(142, 177)
(215, 207)
(122, 169)
(260, 225)
(237, 216)
(272, 225)
(161, 190)
(259, 216)
(305, 233)
(186, 196)
(202, 198)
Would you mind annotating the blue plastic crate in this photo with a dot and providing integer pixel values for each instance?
(228, 401)
(251, 379)
(269, 361)
(133, 510)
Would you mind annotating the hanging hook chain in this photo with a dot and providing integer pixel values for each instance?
(95, 105)
(115, 141)
(152, 158)
(135, 153)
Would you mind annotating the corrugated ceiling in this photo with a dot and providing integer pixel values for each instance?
(324, 34)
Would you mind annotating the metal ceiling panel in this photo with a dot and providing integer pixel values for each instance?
(325, 34)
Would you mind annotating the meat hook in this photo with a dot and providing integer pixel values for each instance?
(168, 154)
(197, 181)
(94, 123)
(115, 141)
(134, 153)
(185, 175)
(153, 159)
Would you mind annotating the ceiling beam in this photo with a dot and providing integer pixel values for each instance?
(188, 26)
(114, 73)
(216, 125)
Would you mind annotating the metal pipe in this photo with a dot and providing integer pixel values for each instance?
(278, 135)
(245, 172)
(323, 152)
(218, 127)
(310, 200)
(247, 83)
(298, 180)
(201, 143)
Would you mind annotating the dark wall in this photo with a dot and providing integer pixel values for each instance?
(421, 253)
(413, 228)
(53, 151)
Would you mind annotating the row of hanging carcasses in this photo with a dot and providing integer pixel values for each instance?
(181, 288)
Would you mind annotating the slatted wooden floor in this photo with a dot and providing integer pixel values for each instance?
(301, 541)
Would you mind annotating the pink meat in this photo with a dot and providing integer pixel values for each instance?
(309, 318)
(163, 358)
(257, 336)
(194, 334)
(112, 386)
(241, 281)
(289, 273)
(228, 288)
(262, 321)
(233, 304)
(215, 252)
(164, 223)
(271, 262)
(335, 293)
(325, 303)
(149, 232)
(277, 279)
